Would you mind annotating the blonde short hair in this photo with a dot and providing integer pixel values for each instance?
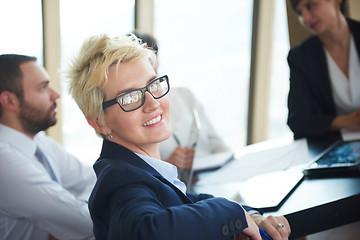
(88, 71)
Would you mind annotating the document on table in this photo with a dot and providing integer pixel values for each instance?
(350, 135)
(253, 161)
(212, 161)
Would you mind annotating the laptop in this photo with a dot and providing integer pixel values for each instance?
(184, 175)
(340, 159)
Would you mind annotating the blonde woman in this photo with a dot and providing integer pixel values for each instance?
(137, 195)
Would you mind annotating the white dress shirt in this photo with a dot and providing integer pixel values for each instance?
(346, 91)
(182, 103)
(167, 170)
(32, 206)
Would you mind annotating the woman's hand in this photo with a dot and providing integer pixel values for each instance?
(277, 227)
(349, 121)
(182, 158)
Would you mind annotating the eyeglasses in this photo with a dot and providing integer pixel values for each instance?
(134, 99)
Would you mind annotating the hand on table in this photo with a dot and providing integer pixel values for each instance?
(349, 121)
(277, 227)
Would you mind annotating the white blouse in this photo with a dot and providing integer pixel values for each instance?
(346, 92)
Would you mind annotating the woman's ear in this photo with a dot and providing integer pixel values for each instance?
(94, 123)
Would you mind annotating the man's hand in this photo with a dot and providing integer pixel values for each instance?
(182, 158)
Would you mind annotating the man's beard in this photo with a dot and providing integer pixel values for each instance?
(34, 120)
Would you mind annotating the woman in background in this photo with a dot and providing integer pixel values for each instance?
(324, 94)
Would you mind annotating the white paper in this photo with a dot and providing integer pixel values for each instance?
(215, 160)
(350, 135)
(260, 158)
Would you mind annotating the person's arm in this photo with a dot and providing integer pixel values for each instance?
(182, 158)
(145, 217)
(349, 121)
(29, 194)
(138, 206)
(305, 117)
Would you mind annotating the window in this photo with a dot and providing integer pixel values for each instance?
(205, 46)
(280, 74)
(21, 28)
(80, 19)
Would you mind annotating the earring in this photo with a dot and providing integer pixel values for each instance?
(109, 135)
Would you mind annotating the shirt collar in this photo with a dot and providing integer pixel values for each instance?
(17, 140)
(167, 170)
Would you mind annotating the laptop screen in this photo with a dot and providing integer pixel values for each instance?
(343, 157)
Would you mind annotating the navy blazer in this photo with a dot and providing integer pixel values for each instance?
(131, 200)
(310, 101)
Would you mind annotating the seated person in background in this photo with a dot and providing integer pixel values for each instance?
(138, 196)
(324, 94)
(175, 149)
(43, 189)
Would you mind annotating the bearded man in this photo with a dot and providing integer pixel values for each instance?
(43, 189)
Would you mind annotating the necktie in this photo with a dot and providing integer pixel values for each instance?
(44, 161)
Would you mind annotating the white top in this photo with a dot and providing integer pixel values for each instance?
(182, 103)
(167, 170)
(346, 91)
(32, 206)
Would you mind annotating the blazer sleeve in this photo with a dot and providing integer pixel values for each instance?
(144, 210)
(202, 196)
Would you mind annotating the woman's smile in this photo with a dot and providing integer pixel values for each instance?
(152, 121)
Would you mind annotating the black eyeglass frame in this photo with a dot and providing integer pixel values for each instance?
(143, 90)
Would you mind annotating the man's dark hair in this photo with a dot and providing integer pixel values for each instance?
(148, 39)
(11, 75)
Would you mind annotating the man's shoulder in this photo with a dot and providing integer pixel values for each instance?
(5, 149)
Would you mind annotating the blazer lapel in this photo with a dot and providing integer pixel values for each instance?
(355, 31)
(112, 150)
(183, 197)
(321, 80)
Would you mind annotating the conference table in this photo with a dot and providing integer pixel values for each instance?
(315, 204)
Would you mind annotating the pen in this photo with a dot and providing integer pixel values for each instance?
(264, 235)
(176, 140)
